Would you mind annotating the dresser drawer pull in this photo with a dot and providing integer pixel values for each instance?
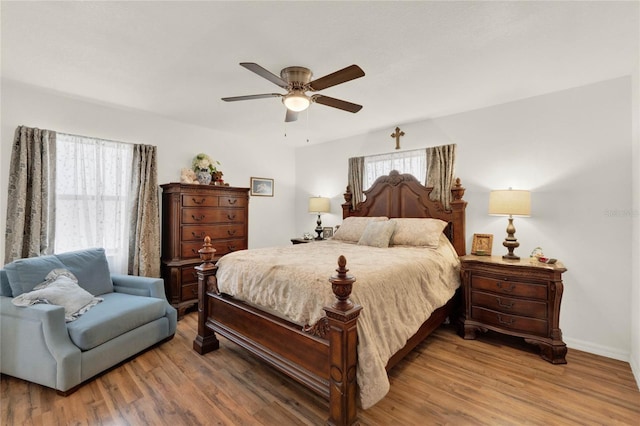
(502, 286)
(202, 200)
(232, 201)
(231, 247)
(198, 218)
(199, 236)
(194, 274)
(231, 231)
(194, 291)
(231, 216)
(508, 305)
(502, 321)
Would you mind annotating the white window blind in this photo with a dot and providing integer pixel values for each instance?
(92, 196)
(413, 162)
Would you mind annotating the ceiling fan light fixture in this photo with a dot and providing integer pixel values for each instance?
(296, 101)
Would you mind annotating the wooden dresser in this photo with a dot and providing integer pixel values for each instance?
(520, 298)
(189, 213)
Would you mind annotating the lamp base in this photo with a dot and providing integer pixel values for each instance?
(319, 229)
(511, 241)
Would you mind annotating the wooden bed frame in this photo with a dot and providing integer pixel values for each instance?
(324, 358)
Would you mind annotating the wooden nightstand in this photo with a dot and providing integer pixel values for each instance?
(521, 298)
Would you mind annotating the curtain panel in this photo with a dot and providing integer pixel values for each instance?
(440, 172)
(144, 241)
(30, 228)
(355, 179)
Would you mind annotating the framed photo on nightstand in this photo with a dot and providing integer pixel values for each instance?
(482, 244)
(327, 232)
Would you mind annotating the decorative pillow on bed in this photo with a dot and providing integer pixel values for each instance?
(352, 228)
(417, 232)
(377, 234)
(60, 288)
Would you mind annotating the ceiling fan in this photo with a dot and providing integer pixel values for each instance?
(297, 81)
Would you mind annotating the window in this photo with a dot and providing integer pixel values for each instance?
(413, 162)
(92, 196)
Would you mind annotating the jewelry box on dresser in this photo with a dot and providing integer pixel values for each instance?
(189, 213)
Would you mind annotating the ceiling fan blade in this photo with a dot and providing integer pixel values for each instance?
(248, 97)
(291, 116)
(264, 73)
(336, 103)
(342, 76)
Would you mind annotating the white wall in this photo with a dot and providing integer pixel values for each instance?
(572, 149)
(635, 250)
(177, 144)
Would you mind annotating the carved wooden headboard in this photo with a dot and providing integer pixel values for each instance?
(401, 195)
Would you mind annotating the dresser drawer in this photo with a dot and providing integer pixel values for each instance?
(204, 215)
(197, 200)
(188, 275)
(198, 232)
(510, 305)
(509, 287)
(190, 249)
(510, 322)
(231, 201)
(189, 292)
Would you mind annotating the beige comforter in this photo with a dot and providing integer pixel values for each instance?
(398, 288)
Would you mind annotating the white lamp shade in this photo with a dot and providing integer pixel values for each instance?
(319, 205)
(296, 101)
(511, 202)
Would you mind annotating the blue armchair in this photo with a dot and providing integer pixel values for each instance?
(37, 345)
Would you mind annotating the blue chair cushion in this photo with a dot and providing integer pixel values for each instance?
(91, 268)
(117, 314)
(25, 274)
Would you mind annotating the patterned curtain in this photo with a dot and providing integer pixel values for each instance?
(355, 178)
(30, 229)
(144, 239)
(440, 172)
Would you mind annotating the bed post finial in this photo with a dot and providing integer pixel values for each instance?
(342, 284)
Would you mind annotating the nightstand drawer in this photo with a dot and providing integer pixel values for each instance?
(508, 287)
(510, 305)
(511, 322)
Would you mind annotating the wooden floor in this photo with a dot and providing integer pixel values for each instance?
(446, 380)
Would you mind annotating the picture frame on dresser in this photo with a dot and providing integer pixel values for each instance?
(261, 187)
(482, 244)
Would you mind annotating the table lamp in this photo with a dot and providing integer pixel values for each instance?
(510, 202)
(319, 205)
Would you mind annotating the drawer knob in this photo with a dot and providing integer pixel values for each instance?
(232, 201)
(231, 231)
(505, 322)
(197, 218)
(231, 247)
(507, 305)
(198, 202)
(505, 287)
(231, 216)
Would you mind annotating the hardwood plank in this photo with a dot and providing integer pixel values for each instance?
(494, 380)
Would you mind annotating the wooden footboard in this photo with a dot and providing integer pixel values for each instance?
(325, 365)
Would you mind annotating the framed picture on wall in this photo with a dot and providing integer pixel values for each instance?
(482, 244)
(327, 232)
(261, 187)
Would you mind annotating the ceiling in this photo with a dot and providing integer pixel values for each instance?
(422, 59)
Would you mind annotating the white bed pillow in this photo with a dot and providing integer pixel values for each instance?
(417, 232)
(377, 234)
(352, 228)
(60, 288)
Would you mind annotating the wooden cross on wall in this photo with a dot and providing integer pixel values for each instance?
(397, 135)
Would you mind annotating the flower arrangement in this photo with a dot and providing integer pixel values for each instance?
(204, 162)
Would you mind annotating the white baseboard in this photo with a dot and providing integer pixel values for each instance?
(635, 369)
(596, 349)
